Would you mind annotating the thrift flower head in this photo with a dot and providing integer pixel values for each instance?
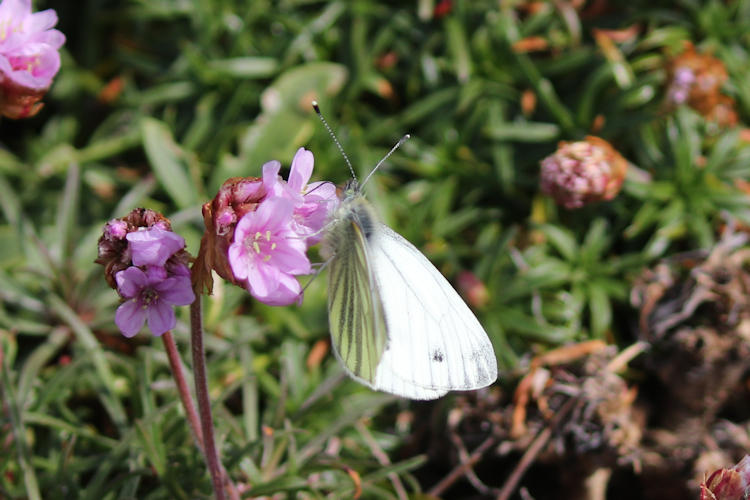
(258, 229)
(583, 172)
(147, 264)
(728, 484)
(29, 57)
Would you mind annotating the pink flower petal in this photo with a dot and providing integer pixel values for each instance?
(291, 260)
(302, 167)
(262, 279)
(40, 21)
(176, 291)
(271, 179)
(161, 317)
(129, 317)
(239, 260)
(152, 247)
(274, 214)
(288, 291)
(130, 282)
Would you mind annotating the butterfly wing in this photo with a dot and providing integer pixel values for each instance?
(355, 313)
(435, 343)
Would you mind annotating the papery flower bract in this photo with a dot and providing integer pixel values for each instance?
(267, 253)
(153, 246)
(582, 172)
(150, 296)
(29, 57)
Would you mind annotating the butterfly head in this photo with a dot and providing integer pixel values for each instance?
(351, 189)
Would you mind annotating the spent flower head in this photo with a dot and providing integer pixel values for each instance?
(258, 229)
(583, 172)
(29, 57)
(696, 80)
(148, 266)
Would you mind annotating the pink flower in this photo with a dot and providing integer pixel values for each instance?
(29, 57)
(153, 246)
(312, 202)
(267, 253)
(318, 198)
(150, 296)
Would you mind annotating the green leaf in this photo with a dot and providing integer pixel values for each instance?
(167, 160)
(523, 132)
(244, 67)
(561, 240)
(600, 310)
(287, 120)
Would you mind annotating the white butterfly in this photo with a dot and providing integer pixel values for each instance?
(396, 323)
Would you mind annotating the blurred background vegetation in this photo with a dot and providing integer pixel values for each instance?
(159, 101)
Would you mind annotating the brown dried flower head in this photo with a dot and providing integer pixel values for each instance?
(696, 80)
(583, 172)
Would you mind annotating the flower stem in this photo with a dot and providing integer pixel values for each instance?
(204, 403)
(182, 388)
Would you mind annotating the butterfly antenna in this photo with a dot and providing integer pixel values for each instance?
(333, 136)
(394, 148)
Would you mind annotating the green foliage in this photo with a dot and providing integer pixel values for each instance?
(159, 101)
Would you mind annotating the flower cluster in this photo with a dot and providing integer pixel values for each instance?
(728, 484)
(29, 57)
(259, 229)
(148, 266)
(582, 172)
(696, 80)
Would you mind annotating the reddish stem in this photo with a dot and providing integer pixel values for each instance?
(182, 388)
(204, 402)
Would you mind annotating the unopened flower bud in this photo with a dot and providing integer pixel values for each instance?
(29, 57)
(473, 289)
(583, 172)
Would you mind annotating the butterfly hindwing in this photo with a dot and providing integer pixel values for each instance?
(435, 344)
(354, 304)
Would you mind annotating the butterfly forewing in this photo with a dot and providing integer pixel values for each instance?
(354, 306)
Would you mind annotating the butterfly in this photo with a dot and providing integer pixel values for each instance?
(396, 323)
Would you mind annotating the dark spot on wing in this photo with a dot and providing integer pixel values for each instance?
(437, 356)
